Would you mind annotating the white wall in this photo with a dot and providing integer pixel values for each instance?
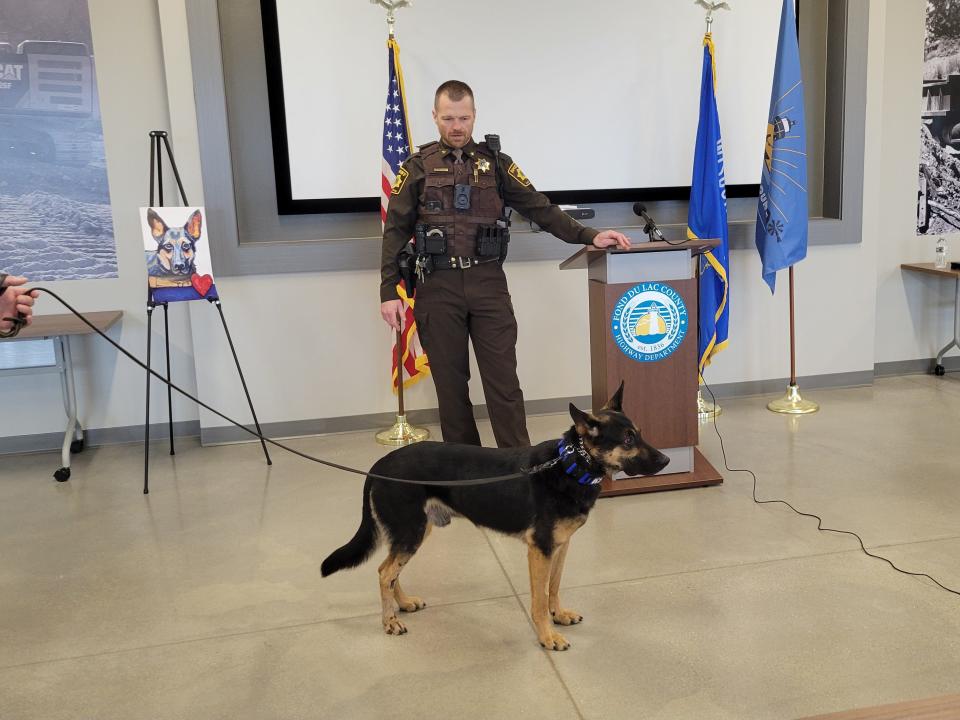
(313, 344)
(130, 74)
(914, 312)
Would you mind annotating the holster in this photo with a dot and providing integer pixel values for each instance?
(405, 263)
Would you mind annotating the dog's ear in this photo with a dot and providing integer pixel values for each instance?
(585, 423)
(157, 226)
(192, 228)
(616, 402)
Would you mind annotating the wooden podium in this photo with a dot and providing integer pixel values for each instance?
(643, 330)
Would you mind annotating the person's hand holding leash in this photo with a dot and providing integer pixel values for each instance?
(16, 303)
(390, 311)
(607, 238)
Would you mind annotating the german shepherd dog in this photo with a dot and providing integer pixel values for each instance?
(174, 258)
(543, 509)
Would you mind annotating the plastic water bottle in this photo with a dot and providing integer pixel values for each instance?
(940, 261)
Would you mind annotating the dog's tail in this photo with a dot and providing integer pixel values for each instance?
(360, 546)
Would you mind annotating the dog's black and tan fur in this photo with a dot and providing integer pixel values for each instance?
(544, 509)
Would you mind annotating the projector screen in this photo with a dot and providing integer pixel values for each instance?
(598, 96)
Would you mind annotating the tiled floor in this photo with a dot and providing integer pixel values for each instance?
(204, 599)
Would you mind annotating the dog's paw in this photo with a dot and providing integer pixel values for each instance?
(554, 641)
(392, 626)
(566, 617)
(411, 603)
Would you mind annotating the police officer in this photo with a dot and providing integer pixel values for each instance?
(451, 196)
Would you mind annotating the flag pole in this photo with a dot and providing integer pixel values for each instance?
(783, 243)
(793, 335)
(792, 403)
(706, 410)
(402, 432)
(400, 366)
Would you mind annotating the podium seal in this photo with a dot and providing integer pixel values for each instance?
(649, 321)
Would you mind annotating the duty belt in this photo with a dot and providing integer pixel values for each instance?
(458, 262)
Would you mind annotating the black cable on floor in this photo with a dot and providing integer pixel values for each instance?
(806, 514)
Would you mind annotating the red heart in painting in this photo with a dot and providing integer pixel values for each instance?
(201, 283)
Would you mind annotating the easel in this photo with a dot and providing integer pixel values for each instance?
(156, 173)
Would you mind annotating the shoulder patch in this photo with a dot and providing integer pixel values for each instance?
(398, 183)
(517, 174)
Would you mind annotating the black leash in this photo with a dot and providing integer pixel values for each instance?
(524, 472)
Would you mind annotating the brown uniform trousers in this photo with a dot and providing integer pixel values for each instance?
(451, 306)
(457, 304)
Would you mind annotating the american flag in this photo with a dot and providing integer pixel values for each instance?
(396, 132)
(396, 149)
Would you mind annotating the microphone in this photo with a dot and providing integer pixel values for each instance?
(650, 228)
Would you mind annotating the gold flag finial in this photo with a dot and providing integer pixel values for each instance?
(391, 6)
(710, 7)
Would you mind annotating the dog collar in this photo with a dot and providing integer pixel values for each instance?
(569, 453)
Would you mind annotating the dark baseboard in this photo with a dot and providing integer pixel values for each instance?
(45, 442)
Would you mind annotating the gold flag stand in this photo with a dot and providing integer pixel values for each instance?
(402, 432)
(706, 410)
(792, 403)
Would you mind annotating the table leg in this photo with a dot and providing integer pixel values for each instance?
(65, 361)
(77, 444)
(939, 369)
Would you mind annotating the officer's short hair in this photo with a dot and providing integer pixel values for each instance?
(453, 89)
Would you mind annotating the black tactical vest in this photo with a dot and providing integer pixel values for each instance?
(436, 204)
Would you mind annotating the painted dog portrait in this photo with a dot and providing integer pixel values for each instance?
(177, 254)
(174, 256)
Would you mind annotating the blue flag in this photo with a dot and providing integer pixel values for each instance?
(707, 217)
(782, 210)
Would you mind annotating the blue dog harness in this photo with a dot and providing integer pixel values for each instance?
(569, 457)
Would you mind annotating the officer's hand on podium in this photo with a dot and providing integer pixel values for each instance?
(390, 311)
(609, 238)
